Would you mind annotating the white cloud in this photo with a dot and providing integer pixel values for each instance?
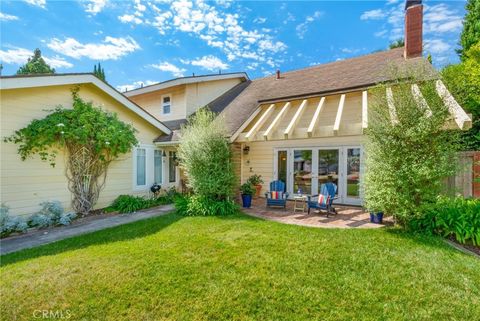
(209, 22)
(209, 62)
(7, 17)
(437, 46)
(19, 56)
(303, 27)
(38, 3)
(373, 15)
(166, 66)
(135, 84)
(381, 33)
(111, 48)
(260, 20)
(126, 18)
(392, 1)
(439, 19)
(95, 6)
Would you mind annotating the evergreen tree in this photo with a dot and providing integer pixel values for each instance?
(471, 27)
(397, 43)
(99, 72)
(35, 65)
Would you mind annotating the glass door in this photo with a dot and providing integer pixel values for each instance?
(353, 164)
(302, 171)
(280, 166)
(328, 167)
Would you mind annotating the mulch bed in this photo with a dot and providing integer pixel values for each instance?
(468, 247)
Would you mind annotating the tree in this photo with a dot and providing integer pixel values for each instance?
(397, 43)
(35, 65)
(463, 81)
(207, 161)
(471, 27)
(407, 159)
(89, 137)
(99, 72)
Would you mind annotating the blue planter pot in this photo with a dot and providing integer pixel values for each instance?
(246, 200)
(376, 217)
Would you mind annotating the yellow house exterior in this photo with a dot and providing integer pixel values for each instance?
(25, 184)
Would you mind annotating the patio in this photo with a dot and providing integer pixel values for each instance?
(346, 217)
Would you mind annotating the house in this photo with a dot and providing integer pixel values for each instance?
(304, 127)
(23, 98)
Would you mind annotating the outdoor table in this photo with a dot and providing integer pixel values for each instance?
(300, 203)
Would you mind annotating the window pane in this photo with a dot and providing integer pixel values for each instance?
(158, 166)
(282, 166)
(353, 172)
(302, 175)
(328, 167)
(141, 167)
(166, 109)
(171, 167)
(166, 99)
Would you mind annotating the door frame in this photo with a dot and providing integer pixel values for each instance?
(342, 170)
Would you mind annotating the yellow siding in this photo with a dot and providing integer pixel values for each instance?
(25, 184)
(202, 93)
(152, 102)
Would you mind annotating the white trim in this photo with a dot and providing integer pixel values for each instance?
(364, 109)
(253, 131)
(162, 104)
(315, 117)
(245, 124)
(59, 80)
(338, 118)
(295, 119)
(391, 106)
(463, 121)
(277, 119)
(184, 81)
(421, 102)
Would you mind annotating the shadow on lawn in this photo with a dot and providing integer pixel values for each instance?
(124, 232)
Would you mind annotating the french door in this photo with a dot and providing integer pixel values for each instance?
(304, 170)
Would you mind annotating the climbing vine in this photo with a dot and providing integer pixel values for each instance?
(89, 137)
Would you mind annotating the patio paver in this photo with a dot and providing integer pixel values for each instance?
(346, 217)
(80, 226)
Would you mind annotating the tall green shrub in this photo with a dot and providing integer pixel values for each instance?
(407, 160)
(205, 156)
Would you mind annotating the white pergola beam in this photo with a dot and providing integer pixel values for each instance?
(461, 118)
(316, 117)
(268, 133)
(421, 102)
(364, 109)
(253, 131)
(391, 106)
(295, 119)
(338, 119)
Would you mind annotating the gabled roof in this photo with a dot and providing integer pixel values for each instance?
(184, 81)
(28, 81)
(340, 76)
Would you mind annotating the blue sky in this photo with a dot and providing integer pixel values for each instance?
(143, 41)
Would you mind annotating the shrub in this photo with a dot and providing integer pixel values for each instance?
(206, 158)
(129, 203)
(199, 205)
(10, 224)
(456, 217)
(407, 160)
(51, 214)
(247, 189)
(255, 179)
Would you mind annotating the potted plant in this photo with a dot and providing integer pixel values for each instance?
(256, 181)
(376, 217)
(247, 190)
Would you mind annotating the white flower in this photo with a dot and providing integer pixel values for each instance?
(61, 125)
(107, 143)
(62, 132)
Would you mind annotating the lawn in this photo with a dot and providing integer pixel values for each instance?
(242, 268)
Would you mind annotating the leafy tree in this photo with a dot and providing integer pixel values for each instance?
(397, 43)
(407, 159)
(91, 139)
(471, 27)
(35, 65)
(205, 156)
(463, 81)
(99, 72)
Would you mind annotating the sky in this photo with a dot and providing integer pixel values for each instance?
(147, 41)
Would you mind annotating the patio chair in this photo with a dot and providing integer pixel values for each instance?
(277, 196)
(324, 200)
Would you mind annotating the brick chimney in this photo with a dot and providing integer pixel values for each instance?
(413, 28)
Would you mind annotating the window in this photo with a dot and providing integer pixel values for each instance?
(172, 173)
(166, 104)
(157, 161)
(141, 167)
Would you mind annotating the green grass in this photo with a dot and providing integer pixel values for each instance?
(241, 268)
